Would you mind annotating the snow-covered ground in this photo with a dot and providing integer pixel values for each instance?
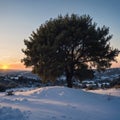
(59, 103)
(111, 91)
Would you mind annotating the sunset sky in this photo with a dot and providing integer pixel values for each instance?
(18, 18)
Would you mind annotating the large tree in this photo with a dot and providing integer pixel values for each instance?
(68, 45)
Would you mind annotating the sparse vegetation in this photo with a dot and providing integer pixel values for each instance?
(2, 87)
(9, 93)
(117, 86)
(110, 81)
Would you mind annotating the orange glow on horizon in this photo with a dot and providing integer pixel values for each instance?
(19, 66)
(15, 66)
(5, 67)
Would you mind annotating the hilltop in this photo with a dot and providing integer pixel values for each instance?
(58, 103)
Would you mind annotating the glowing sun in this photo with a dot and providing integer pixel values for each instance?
(5, 67)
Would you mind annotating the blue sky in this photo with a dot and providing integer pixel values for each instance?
(18, 18)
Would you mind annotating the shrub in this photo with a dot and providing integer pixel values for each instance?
(2, 87)
(10, 92)
(117, 86)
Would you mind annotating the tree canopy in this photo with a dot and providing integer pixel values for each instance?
(69, 45)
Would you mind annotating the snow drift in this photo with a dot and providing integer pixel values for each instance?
(59, 103)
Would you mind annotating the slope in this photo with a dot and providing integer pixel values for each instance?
(59, 103)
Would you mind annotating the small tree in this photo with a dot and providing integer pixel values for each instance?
(68, 44)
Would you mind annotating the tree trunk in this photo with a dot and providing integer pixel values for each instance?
(69, 80)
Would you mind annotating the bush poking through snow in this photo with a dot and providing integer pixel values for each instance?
(2, 87)
(117, 86)
(10, 93)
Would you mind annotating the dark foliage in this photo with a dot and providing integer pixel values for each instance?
(71, 45)
(2, 88)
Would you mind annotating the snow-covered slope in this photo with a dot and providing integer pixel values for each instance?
(59, 103)
(110, 92)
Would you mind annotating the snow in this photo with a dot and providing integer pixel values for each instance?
(58, 103)
(5, 114)
(111, 91)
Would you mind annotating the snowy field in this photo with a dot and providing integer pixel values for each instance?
(110, 92)
(59, 103)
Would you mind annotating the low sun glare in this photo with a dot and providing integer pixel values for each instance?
(5, 67)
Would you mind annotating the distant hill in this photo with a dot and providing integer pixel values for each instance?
(109, 72)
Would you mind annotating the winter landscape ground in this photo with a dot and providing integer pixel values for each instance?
(59, 103)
